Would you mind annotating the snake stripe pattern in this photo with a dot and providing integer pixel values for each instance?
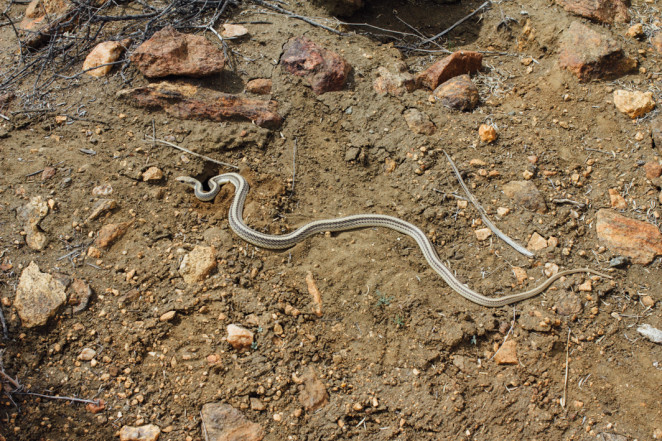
(359, 221)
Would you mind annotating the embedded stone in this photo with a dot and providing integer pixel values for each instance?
(634, 103)
(239, 337)
(259, 86)
(603, 11)
(39, 296)
(394, 83)
(418, 122)
(223, 422)
(526, 194)
(459, 93)
(198, 264)
(640, 241)
(149, 432)
(456, 64)
(102, 55)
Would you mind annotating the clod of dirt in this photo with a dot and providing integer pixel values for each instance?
(149, 432)
(459, 93)
(456, 64)
(30, 215)
(239, 337)
(526, 194)
(314, 394)
(326, 71)
(590, 55)
(634, 103)
(394, 83)
(38, 297)
(198, 264)
(419, 122)
(640, 241)
(568, 304)
(507, 353)
(223, 422)
(103, 54)
(603, 11)
(174, 99)
(170, 52)
(259, 86)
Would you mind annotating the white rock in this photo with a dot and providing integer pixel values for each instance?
(87, 354)
(238, 337)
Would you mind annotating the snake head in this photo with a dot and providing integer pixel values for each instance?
(191, 182)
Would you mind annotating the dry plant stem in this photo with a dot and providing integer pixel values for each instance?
(519, 248)
(206, 158)
(10, 379)
(565, 382)
(297, 16)
(5, 331)
(315, 293)
(53, 397)
(512, 325)
(456, 24)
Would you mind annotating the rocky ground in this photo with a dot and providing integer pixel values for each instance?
(134, 300)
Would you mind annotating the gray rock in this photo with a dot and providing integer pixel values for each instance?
(30, 215)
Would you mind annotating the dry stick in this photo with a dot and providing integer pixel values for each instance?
(5, 331)
(206, 158)
(456, 24)
(10, 379)
(297, 16)
(519, 248)
(565, 383)
(54, 397)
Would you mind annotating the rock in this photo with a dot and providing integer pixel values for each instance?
(96, 408)
(80, 295)
(651, 333)
(526, 194)
(42, 18)
(102, 206)
(536, 243)
(653, 169)
(507, 353)
(198, 264)
(110, 233)
(104, 53)
(257, 404)
(170, 52)
(39, 296)
(647, 301)
(487, 133)
(102, 190)
(634, 103)
(326, 71)
(177, 101)
(503, 211)
(313, 395)
(48, 173)
(592, 55)
(587, 286)
(152, 174)
(603, 11)
(456, 64)
(568, 304)
(459, 93)
(352, 153)
(617, 201)
(419, 122)
(30, 215)
(149, 432)
(166, 317)
(223, 422)
(656, 130)
(239, 337)
(635, 31)
(259, 86)
(656, 41)
(520, 274)
(640, 241)
(233, 31)
(394, 83)
(618, 261)
(483, 233)
(87, 354)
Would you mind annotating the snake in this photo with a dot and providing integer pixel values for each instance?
(355, 222)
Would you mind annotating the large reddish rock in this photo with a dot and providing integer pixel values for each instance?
(638, 240)
(223, 422)
(170, 52)
(590, 55)
(186, 102)
(326, 71)
(459, 93)
(43, 17)
(603, 11)
(458, 63)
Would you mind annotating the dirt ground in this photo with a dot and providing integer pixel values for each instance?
(402, 355)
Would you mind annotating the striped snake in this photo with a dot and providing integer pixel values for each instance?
(354, 222)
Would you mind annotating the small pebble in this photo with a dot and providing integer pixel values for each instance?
(87, 354)
(487, 133)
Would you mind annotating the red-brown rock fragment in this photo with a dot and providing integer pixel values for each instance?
(259, 86)
(640, 241)
(216, 107)
(109, 233)
(459, 93)
(591, 55)
(223, 422)
(653, 169)
(170, 52)
(603, 11)
(326, 71)
(42, 17)
(458, 63)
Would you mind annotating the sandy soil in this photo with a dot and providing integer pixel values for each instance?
(401, 354)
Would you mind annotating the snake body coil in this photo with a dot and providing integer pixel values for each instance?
(354, 222)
